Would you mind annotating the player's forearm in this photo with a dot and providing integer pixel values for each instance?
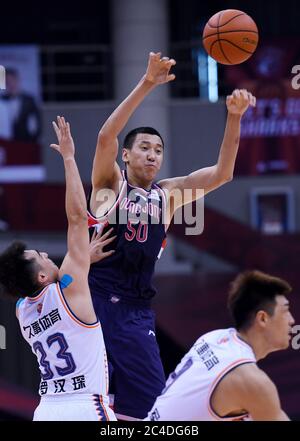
(75, 196)
(229, 147)
(119, 118)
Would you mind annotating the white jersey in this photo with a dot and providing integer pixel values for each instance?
(188, 391)
(71, 354)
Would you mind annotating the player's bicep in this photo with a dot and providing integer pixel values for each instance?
(203, 181)
(78, 255)
(72, 267)
(105, 166)
(181, 190)
(262, 401)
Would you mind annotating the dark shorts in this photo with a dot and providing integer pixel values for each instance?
(137, 375)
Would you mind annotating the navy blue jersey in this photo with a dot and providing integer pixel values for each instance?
(137, 217)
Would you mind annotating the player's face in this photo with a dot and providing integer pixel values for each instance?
(145, 157)
(46, 266)
(280, 324)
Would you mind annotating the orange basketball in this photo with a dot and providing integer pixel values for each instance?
(230, 36)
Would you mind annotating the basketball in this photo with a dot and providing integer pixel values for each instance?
(230, 36)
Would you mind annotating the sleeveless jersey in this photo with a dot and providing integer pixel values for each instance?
(71, 354)
(188, 391)
(137, 217)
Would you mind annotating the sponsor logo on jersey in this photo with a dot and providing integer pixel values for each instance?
(223, 340)
(154, 195)
(141, 196)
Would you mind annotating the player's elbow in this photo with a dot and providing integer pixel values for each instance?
(79, 219)
(104, 138)
(223, 178)
(227, 178)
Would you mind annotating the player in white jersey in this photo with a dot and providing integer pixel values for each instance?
(56, 313)
(218, 379)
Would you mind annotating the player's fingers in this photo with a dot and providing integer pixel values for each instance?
(54, 146)
(165, 59)
(229, 99)
(63, 122)
(108, 253)
(94, 234)
(68, 128)
(172, 62)
(99, 230)
(108, 241)
(171, 77)
(104, 236)
(55, 128)
(64, 125)
(245, 95)
(252, 100)
(236, 93)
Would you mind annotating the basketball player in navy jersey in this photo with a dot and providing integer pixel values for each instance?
(134, 205)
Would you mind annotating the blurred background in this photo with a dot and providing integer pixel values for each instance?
(80, 60)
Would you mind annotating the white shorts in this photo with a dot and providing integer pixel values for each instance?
(73, 408)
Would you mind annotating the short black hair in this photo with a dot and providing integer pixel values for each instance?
(252, 291)
(17, 274)
(130, 137)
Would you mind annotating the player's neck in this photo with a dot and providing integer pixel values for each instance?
(260, 348)
(137, 182)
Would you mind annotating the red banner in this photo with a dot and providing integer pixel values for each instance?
(270, 136)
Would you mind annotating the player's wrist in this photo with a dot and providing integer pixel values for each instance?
(68, 158)
(148, 81)
(234, 116)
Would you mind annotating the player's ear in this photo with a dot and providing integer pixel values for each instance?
(43, 278)
(125, 155)
(262, 318)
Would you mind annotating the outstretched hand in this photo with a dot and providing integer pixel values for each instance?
(98, 242)
(238, 102)
(158, 70)
(65, 144)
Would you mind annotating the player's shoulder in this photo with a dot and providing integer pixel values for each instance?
(111, 182)
(215, 336)
(167, 184)
(252, 380)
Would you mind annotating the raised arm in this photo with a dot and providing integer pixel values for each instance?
(105, 169)
(210, 178)
(77, 261)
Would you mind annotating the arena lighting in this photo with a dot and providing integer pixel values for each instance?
(2, 78)
(212, 69)
(207, 77)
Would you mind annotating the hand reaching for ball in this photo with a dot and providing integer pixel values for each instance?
(238, 102)
(158, 69)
